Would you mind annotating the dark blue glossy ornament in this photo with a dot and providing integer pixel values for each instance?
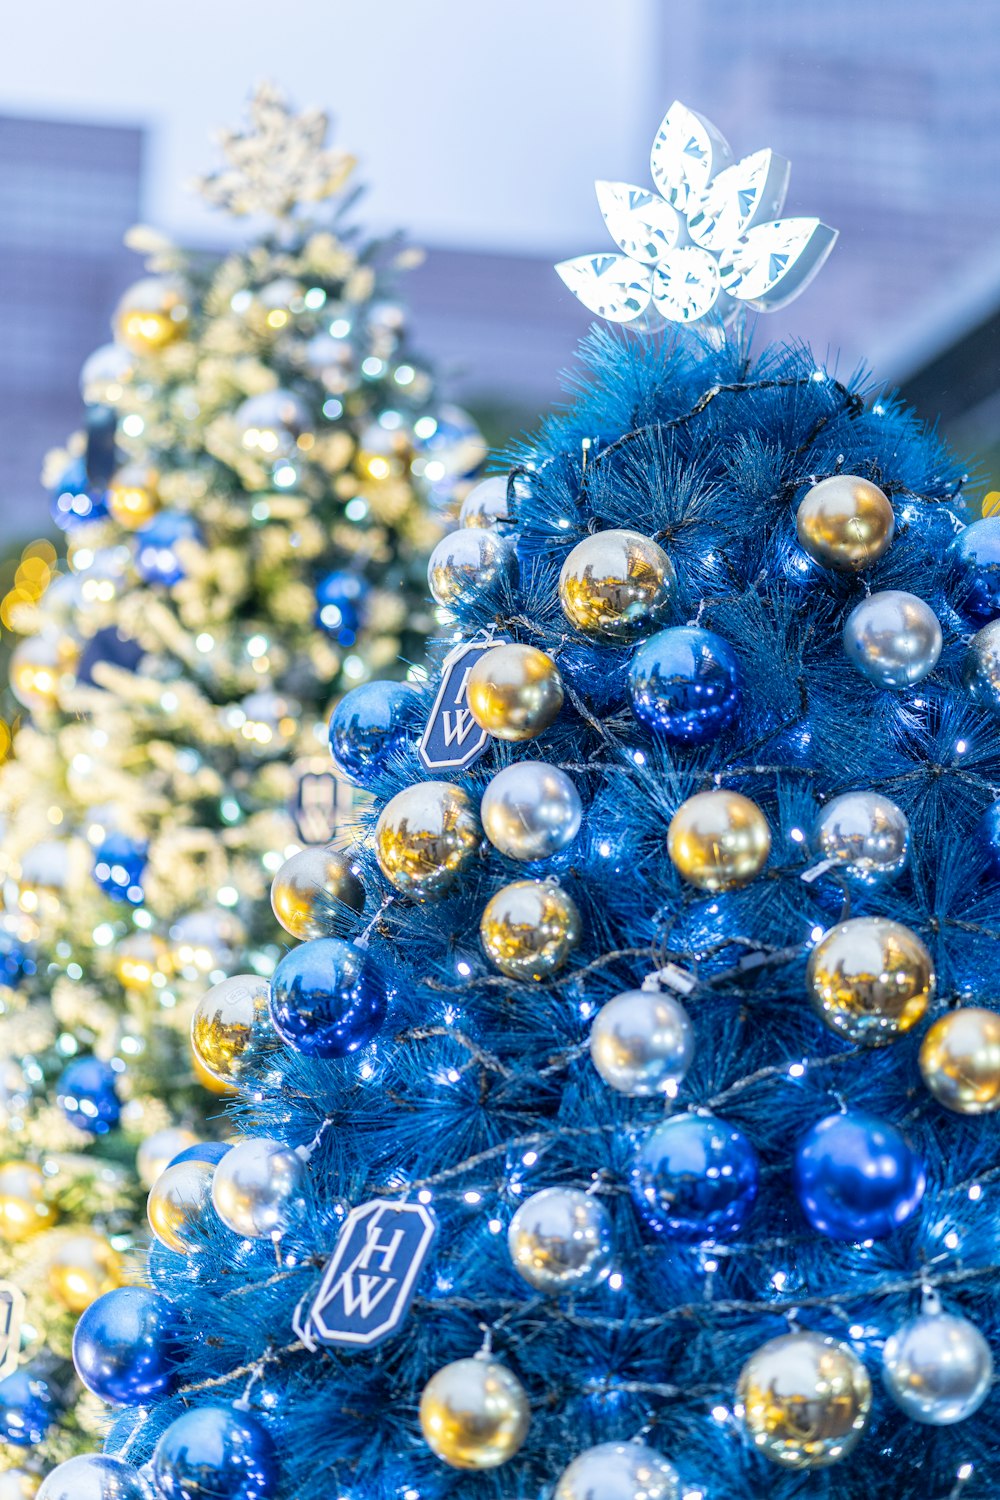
(325, 999)
(88, 1095)
(367, 725)
(684, 683)
(695, 1178)
(988, 837)
(856, 1177)
(156, 556)
(15, 960)
(975, 566)
(210, 1151)
(118, 865)
(75, 501)
(127, 1344)
(110, 646)
(216, 1453)
(28, 1407)
(339, 598)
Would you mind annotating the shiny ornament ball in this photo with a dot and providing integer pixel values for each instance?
(178, 1204)
(467, 561)
(83, 1268)
(425, 837)
(960, 1060)
(616, 585)
(618, 1471)
(865, 835)
(486, 505)
(216, 1452)
(695, 1178)
(41, 669)
(845, 522)
(339, 600)
(804, 1400)
(869, 979)
(642, 1043)
(937, 1368)
(126, 1345)
(94, 1476)
(974, 556)
(87, 1094)
(857, 1177)
(105, 374)
(271, 425)
(894, 639)
(133, 499)
(514, 692)
(531, 810)
(474, 1414)
(326, 1001)
(368, 726)
(161, 546)
(256, 1186)
(28, 1407)
(560, 1241)
(158, 1151)
(18, 1484)
(119, 862)
(684, 683)
(530, 928)
(210, 1151)
(74, 500)
(151, 314)
(231, 1030)
(981, 667)
(718, 840)
(24, 1206)
(314, 893)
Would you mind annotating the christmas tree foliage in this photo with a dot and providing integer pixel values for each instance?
(262, 469)
(666, 1054)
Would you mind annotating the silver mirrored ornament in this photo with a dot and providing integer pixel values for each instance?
(937, 1368)
(865, 835)
(231, 1030)
(531, 810)
(486, 506)
(893, 638)
(981, 667)
(619, 1471)
(93, 1476)
(178, 1203)
(256, 1186)
(642, 1043)
(560, 1240)
(315, 892)
(466, 561)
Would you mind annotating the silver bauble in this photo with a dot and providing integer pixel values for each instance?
(937, 1368)
(105, 375)
(486, 505)
(618, 1471)
(560, 1240)
(231, 1030)
(531, 810)
(178, 1205)
(255, 1187)
(642, 1043)
(314, 892)
(94, 1476)
(981, 667)
(271, 424)
(865, 835)
(893, 638)
(466, 561)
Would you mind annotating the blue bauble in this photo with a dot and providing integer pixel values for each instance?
(127, 1344)
(325, 999)
(695, 1178)
(988, 837)
(88, 1095)
(75, 501)
(15, 960)
(975, 565)
(156, 557)
(118, 865)
(107, 645)
(367, 725)
(210, 1151)
(28, 1407)
(856, 1177)
(684, 683)
(339, 597)
(216, 1453)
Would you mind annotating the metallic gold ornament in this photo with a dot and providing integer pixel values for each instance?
(530, 928)
(231, 1028)
(981, 667)
(719, 840)
(255, 1187)
(560, 1240)
(425, 837)
(960, 1060)
(24, 1207)
(178, 1202)
(311, 889)
(642, 1043)
(618, 1471)
(83, 1268)
(156, 1153)
(207, 1081)
(474, 1413)
(486, 504)
(870, 979)
(151, 314)
(514, 692)
(845, 522)
(142, 962)
(133, 497)
(804, 1400)
(41, 668)
(616, 585)
(893, 638)
(865, 836)
(466, 561)
(531, 810)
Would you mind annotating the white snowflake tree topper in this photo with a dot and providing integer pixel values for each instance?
(709, 240)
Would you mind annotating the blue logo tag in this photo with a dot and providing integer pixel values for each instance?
(11, 1318)
(322, 803)
(452, 739)
(369, 1282)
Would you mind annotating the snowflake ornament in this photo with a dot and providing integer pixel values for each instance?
(278, 162)
(708, 241)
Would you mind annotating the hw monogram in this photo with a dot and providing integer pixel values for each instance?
(369, 1282)
(452, 739)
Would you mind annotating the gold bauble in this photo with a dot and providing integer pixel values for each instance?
(158, 1151)
(133, 497)
(151, 314)
(719, 840)
(24, 1208)
(177, 1203)
(425, 836)
(870, 979)
(474, 1413)
(142, 962)
(804, 1400)
(41, 667)
(845, 523)
(514, 692)
(207, 1081)
(83, 1268)
(616, 585)
(960, 1060)
(231, 1027)
(311, 890)
(530, 928)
